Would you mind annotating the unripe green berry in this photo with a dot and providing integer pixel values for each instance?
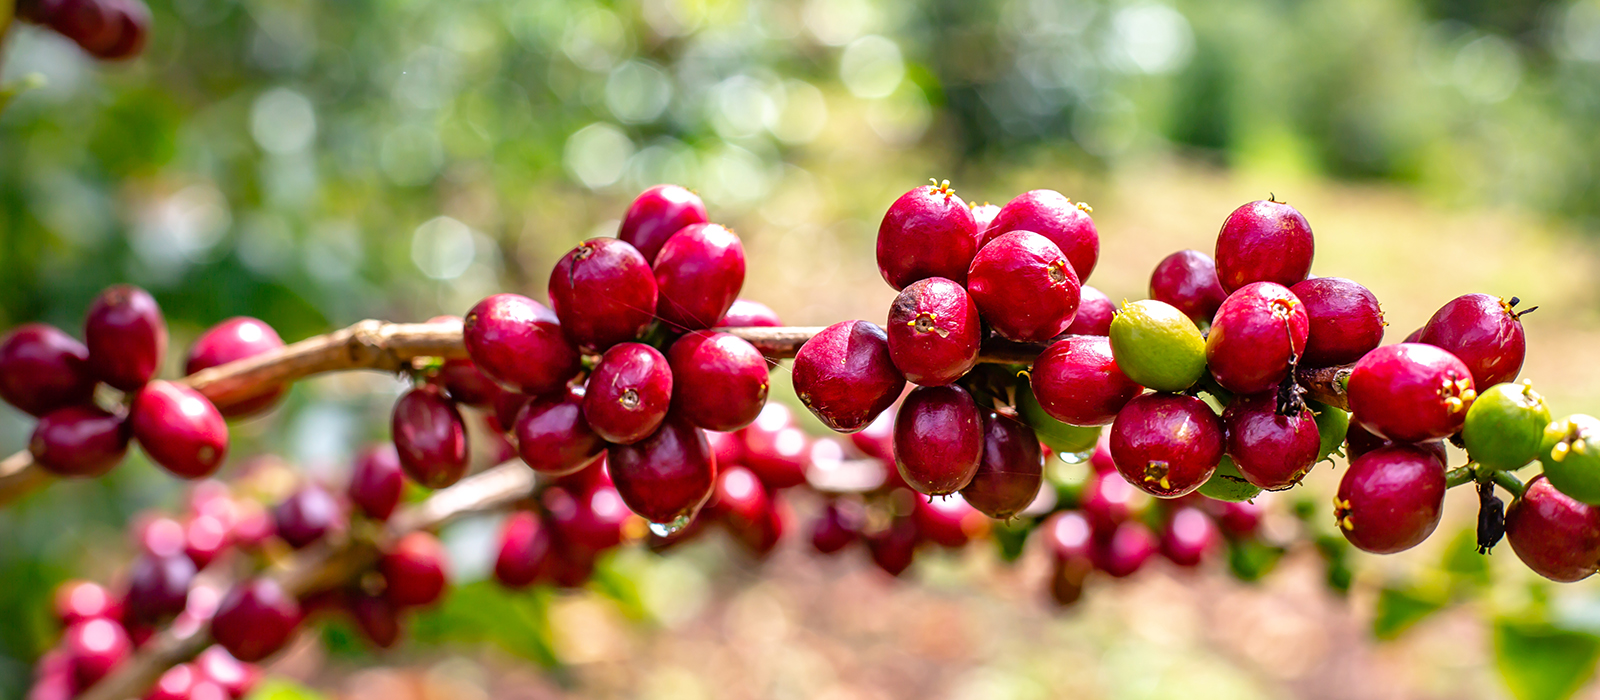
(1505, 426)
(1061, 437)
(1570, 453)
(1332, 424)
(1227, 484)
(1157, 346)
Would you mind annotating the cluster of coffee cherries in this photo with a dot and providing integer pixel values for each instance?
(111, 30)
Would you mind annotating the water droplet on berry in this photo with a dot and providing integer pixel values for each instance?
(669, 529)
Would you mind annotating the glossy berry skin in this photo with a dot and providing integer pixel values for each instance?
(657, 214)
(846, 376)
(76, 601)
(666, 476)
(629, 393)
(1050, 214)
(1077, 381)
(934, 332)
(604, 293)
(1483, 332)
(699, 273)
(80, 441)
(837, 526)
(938, 439)
(1271, 451)
(255, 620)
(236, 339)
(158, 588)
(1187, 280)
(415, 570)
(1264, 241)
(927, 232)
(725, 378)
(464, 384)
(376, 481)
(1166, 444)
(589, 517)
(95, 648)
(1410, 392)
(1554, 534)
(1010, 470)
(1126, 550)
(1390, 499)
(1257, 333)
(179, 429)
(43, 369)
(553, 437)
(524, 550)
(1061, 437)
(1157, 346)
(1346, 321)
(749, 314)
(747, 509)
(1024, 265)
(895, 547)
(133, 26)
(1188, 536)
(126, 336)
(307, 516)
(1505, 426)
(518, 342)
(429, 437)
(1095, 311)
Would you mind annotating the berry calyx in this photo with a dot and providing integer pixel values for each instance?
(1569, 451)
(934, 332)
(1258, 335)
(1484, 332)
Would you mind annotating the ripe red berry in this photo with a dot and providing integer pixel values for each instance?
(378, 619)
(430, 438)
(934, 332)
(1483, 332)
(1346, 321)
(179, 683)
(415, 570)
(1100, 460)
(524, 550)
(699, 272)
(133, 25)
(80, 441)
(604, 293)
(376, 481)
(554, 438)
(877, 439)
(126, 336)
(1272, 451)
(205, 538)
(1095, 311)
(628, 395)
(1126, 550)
(43, 369)
(666, 477)
(948, 522)
(1390, 499)
(1050, 214)
(158, 588)
(570, 567)
(774, 448)
(938, 439)
(1077, 381)
(1553, 533)
(749, 314)
(1410, 392)
(927, 232)
(255, 619)
(748, 510)
(1257, 333)
(507, 405)
(1023, 265)
(846, 376)
(1166, 444)
(236, 339)
(1108, 500)
(464, 384)
(1187, 280)
(1239, 519)
(724, 378)
(588, 517)
(90, 23)
(77, 601)
(1264, 241)
(1010, 470)
(838, 525)
(1188, 536)
(657, 214)
(307, 516)
(94, 649)
(894, 547)
(179, 429)
(518, 342)
(217, 666)
(983, 215)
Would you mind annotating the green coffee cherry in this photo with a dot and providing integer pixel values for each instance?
(1061, 437)
(1570, 453)
(1227, 484)
(1505, 426)
(1157, 346)
(1332, 424)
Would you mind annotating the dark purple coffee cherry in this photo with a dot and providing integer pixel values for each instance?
(126, 336)
(938, 439)
(1264, 241)
(1256, 336)
(846, 376)
(1077, 381)
(1024, 287)
(553, 437)
(1095, 311)
(1483, 332)
(525, 550)
(43, 369)
(236, 339)
(894, 547)
(94, 649)
(255, 620)
(1189, 535)
(1050, 214)
(158, 588)
(725, 378)
(377, 618)
(1346, 321)
(1166, 444)
(376, 481)
(927, 232)
(628, 395)
(1410, 392)
(1127, 549)
(1390, 499)
(1554, 534)
(1187, 280)
(749, 314)
(307, 516)
(934, 332)
(604, 293)
(179, 429)
(415, 570)
(430, 438)
(1010, 470)
(838, 525)
(699, 273)
(80, 441)
(666, 477)
(133, 25)
(518, 342)
(657, 214)
(1272, 451)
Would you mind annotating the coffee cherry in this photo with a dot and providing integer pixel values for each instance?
(1024, 265)
(554, 438)
(43, 369)
(415, 570)
(877, 439)
(1157, 346)
(133, 21)
(665, 477)
(307, 516)
(948, 522)
(77, 601)
(1554, 534)
(894, 547)
(508, 404)
(255, 620)
(236, 339)
(938, 439)
(927, 232)
(180, 683)
(1095, 311)
(1345, 320)
(1077, 381)
(524, 550)
(377, 618)
(846, 376)
(628, 395)
(838, 525)
(699, 272)
(94, 649)
(1100, 459)
(430, 438)
(1240, 519)
(217, 666)
(1505, 425)
(728, 377)
(1264, 241)
(158, 588)
(1050, 214)
(570, 567)
(749, 314)
(1227, 483)
(179, 429)
(1390, 499)
(1126, 550)
(518, 342)
(464, 384)
(748, 510)
(1187, 280)
(1332, 426)
(1167, 445)
(205, 538)
(1108, 500)
(1061, 437)
(934, 332)
(657, 214)
(126, 336)
(1482, 331)
(1010, 470)
(80, 441)
(983, 215)
(589, 517)
(1189, 534)
(1271, 451)
(1410, 392)
(1259, 332)
(376, 481)
(776, 450)
(1569, 451)
(604, 293)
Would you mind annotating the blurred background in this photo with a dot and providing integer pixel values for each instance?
(315, 164)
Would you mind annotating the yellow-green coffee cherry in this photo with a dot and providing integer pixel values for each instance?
(1157, 346)
(1570, 453)
(1505, 426)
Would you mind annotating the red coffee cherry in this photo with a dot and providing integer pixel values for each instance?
(1556, 535)
(1187, 280)
(1166, 444)
(938, 439)
(1189, 535)
(77, 601)
(255, 620)
(232, 340)
(894, 547)
(629, 393)
(1483, 332)
(43, 369)
(657, 214)
(1264, 241)
(948, 522)
(1077, 381)
(204, 539)
(749, 314)
(1024, 265)
(80, 441)
(1390, 499)
(604, 293)
(983, 215)
(588, 516)
(179, 683)
(376, 481)
(126, 336)
(1108, 500)
(94, 648)
(518, 342)
(1258, 331)
(927, 232)
(846, 376)
(724, 378)
(179, 429)
(525, 550)
(1346, 321)
(1272, 451)
(430, 438)
(133, 21)
(217, 666)
(877, 439)
(554, 438)
(462, 381)
(307, 516)
(838, 525)
(1126, 550)
(934, 332)
(1050, 214)
(666, 477)
(1010, 471)
(378, 619)
(1238, 519)
(699, 272)
(158, 588)
(1410, 392)
(746, 508)
(774, 448)
(415, 570)
(1095, 311)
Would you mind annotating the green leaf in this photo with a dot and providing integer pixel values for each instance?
(1250, 560)
(483, 611)
(1401, 608)
(280, 689)
(1539, 661)
(1463, 562)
